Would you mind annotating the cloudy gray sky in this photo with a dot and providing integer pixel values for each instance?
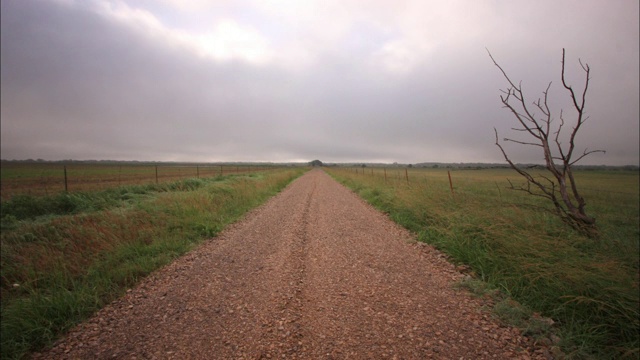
(296, 80)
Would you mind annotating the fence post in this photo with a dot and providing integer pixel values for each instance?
(450, 182)
(156, 174)
(66, 187)
(406, 175)
(385, 175)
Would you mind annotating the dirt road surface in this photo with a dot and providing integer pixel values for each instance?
(315, 273)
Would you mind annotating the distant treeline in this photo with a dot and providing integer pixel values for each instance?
(136, 162)
(479, 166)
(433, 165)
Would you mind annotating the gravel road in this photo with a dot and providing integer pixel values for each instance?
(315, 273)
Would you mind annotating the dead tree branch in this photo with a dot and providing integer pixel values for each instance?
(561, 189)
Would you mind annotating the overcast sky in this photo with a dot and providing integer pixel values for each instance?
(296, 80)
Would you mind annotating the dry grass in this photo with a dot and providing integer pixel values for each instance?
(44, 179)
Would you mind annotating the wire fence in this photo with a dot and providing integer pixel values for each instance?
(463, 177)
(49, 179)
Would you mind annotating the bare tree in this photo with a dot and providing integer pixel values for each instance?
(561, 186)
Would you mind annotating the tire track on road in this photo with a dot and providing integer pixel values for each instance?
(291, 337)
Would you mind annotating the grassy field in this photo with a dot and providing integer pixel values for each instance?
(64, 256)
(35, 178)
(589, 288)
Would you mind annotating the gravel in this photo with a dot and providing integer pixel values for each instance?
(315, 273)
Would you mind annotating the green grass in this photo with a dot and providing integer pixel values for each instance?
(588, 287)
(23, 207)
(65, 256)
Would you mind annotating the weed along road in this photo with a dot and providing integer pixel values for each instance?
(315, 273)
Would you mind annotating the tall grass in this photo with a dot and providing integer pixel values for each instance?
(588, 287)
(66, 256)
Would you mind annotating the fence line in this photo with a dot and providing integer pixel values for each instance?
(398, 176)
(69, 178)
(382, 171)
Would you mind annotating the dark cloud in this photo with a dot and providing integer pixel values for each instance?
(79, 84)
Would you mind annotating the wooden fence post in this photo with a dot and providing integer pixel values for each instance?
(66, 186)
(450, 182)
(406, 175)
(156, 174)
(385, 175)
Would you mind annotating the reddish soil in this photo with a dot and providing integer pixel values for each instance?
(315, 273)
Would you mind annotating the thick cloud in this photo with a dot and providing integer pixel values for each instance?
(334, 80)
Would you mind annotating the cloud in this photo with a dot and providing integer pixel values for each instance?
(227, 40)
(402, 81)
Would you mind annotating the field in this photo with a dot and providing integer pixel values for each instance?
(51, 178)
(510, 241)
(67, 254)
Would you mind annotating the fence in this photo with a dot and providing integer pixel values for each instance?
(396, 174)
(48, 179)
(458, 181)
